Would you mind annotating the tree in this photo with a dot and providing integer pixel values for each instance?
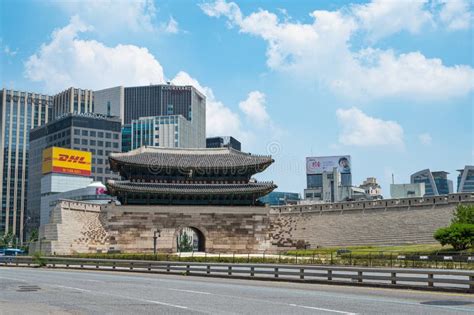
(185, 243)
(7, 239)
(33, 236)
(460, 234)
(464, 214)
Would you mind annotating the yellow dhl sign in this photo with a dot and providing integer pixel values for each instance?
(66, 161)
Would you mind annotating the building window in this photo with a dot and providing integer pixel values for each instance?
(85, 132)
(92, 133)
(84, 141)
(77, 132)
(77, 141)
(100, 134)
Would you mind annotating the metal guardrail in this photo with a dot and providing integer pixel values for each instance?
(452, 280)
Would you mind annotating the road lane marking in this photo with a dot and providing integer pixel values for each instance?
(14, 279)
(322, 309)
(121, 296)
(191, 291)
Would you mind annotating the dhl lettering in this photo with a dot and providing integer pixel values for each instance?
(72, 158)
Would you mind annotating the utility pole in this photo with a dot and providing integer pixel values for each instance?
(156, 234)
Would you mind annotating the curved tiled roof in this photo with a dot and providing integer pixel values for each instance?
(191, 189)
(180, 158)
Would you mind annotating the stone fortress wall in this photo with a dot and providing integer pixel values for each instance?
(380, 222)
(80, 227)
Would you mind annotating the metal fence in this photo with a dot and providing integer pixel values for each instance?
(453, 280)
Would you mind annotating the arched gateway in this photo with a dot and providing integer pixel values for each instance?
(190, 239)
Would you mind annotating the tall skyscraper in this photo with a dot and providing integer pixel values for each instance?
(20, 112)
(86, 132)
(164, 99)
(73, 100)
(466, 179)
(436, 183)
(164, 115)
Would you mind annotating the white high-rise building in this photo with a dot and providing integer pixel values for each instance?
(172, 131)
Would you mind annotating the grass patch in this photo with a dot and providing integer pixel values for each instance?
(423, 249)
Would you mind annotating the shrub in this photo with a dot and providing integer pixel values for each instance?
(459, 235)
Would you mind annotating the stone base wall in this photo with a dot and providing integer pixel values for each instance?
(225, 229)
(78, 227)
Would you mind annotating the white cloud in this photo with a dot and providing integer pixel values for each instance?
(171, 27)
(254, 108)
(9, 52)
(455, 14)
(220, 119)
(381, 18)
(110, 16)
(425, 138)
(359, 129)
(321, 51)
(69, 61)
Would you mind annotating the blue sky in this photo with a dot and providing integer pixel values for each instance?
(388, 82)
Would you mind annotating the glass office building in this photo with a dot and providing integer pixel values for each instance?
(280, 198)
(436, 183)
(20, 112)
(466, 179)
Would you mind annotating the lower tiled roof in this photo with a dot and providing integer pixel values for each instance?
(194, 189)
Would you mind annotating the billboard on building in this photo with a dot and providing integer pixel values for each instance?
(321, 164)
(66, 161)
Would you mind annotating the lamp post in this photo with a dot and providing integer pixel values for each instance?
(156, 234)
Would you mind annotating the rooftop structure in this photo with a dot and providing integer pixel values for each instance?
(372, 188)
(221, 176)
(222, 142)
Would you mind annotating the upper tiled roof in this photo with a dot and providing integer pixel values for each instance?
(183, 158)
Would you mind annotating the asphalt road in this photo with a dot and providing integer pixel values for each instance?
(52, 291)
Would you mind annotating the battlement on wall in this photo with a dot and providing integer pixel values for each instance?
(412, 203)
(73, 205)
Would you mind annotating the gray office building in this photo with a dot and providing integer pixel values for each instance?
(72, 100)
(110, 102)
(223, 142)
(97, 134)
(20, 112)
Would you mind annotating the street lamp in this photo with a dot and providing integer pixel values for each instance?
(156, 234)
